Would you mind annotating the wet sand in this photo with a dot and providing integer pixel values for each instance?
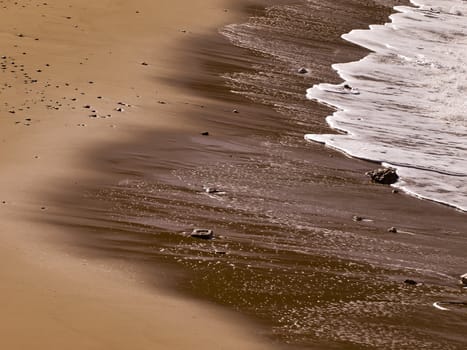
(287, 252)
(76, 74)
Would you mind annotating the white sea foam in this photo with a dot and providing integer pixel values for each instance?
(410, 111)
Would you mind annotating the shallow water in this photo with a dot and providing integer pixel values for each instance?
(410, 109)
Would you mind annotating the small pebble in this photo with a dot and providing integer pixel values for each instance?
(410, 282)
(392, 230)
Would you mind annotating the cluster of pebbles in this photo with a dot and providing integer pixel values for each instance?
(42, 96)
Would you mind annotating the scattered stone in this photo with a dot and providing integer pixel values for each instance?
(202, 234)
(93, 116)
(123, 104)
(205, 133)
(463, 279)
(303, 70)
(385, 176)
(410, 282)
(357, 218)
(395, 191)
(119, 109)
(235, 111)
(161, 102)
(211, 190)
(144, 64)
(20, 35)
(392, 230)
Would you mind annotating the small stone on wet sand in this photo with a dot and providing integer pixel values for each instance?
(385, 176)
(410, 282)
(463, 279)
(202, 233)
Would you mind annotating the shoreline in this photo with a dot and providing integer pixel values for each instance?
(157, 194)
(122, 213)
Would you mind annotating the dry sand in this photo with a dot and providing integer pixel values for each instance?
(57, 58)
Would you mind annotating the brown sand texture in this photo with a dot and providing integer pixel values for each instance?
(75, 73)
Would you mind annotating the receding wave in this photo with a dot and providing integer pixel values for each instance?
(405, 104)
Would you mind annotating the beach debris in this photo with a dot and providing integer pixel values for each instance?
(302, 70)
(347, 89)
(202, 233)
(357, 218)
(212, 190)
(457, 304)
(463, 279)
(392, 230)
(123, 104)
(411, 282)
(205, 133)
(385, 176)
(439, 307)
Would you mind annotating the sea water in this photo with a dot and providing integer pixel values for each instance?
(405, 104)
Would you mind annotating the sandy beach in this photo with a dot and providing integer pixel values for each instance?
(75, 74)
(115, 119)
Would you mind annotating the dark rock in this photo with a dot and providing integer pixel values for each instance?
(202, 234)
(303, 70)
(144, 63)
(205, 133)
(385, 176)
(411, 282)
(392, 230)
(235, 111)
(119, 109)
(357, 218)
